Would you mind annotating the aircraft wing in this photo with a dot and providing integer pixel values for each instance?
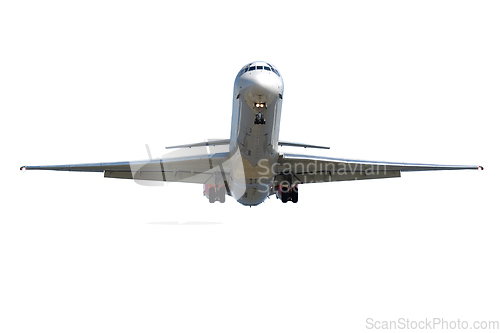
(315, 169)
(200, 169)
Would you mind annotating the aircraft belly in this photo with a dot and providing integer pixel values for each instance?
(256, 110)
(254, 186)
(256, 140)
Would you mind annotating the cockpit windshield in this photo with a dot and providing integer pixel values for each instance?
(252, 67)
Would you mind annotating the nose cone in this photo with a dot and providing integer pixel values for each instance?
(260, 87)
(262, 83)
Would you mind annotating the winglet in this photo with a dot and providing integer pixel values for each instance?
(23, 168)
(480, 168)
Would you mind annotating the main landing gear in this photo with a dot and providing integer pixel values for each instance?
(215, 193)
(287, 190)
(288, 193)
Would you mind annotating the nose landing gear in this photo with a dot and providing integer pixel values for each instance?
(259, 119)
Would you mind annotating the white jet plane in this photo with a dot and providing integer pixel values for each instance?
(252, 168)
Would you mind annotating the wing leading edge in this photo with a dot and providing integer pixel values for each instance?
(200, 169)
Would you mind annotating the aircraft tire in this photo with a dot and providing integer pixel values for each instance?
(284, 197)
(211, 195)
(295, 194)
(222, 195)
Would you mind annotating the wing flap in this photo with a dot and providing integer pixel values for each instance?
(166, 176)
(325, 177)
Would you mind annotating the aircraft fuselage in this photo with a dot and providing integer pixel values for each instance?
(257, 101)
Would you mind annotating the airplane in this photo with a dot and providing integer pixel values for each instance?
(251, 168)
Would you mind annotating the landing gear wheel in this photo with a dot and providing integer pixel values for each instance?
(295, 194)
(211, 195)
(222, 195)
(284, 194)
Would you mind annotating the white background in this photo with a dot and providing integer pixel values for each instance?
(95, 81)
